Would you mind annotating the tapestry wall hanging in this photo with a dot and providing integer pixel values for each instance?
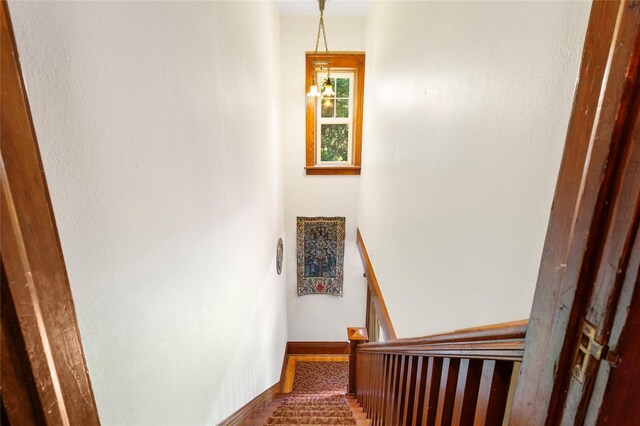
(320, 252)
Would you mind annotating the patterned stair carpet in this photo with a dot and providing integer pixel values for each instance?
(318, 397)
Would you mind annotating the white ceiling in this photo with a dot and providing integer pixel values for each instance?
(332, 7)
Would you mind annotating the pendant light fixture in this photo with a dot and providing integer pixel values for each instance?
(327, 90)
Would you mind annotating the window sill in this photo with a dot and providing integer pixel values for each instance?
(332, 170)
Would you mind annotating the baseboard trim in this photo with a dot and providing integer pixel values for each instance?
(252, 409)
(317, 348)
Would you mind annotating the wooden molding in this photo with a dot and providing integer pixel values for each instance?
(252, 409)
(375, 292)
(346, 60)
(357, 334)
(33, 267)
(332, 170)
(316, 348)
(493, 342)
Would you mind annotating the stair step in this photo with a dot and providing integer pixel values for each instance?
(318, 398)
(313, 413)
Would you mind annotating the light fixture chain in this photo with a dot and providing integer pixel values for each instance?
(315, 52)
(318, 38)
(326, 47)
(328, 91)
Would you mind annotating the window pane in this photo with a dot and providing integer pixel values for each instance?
(342, 108)
(328, 105)
(342, 88)
(334, 142)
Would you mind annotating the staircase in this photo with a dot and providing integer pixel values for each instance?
(318, 398)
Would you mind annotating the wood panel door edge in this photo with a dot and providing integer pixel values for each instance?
(33, 260)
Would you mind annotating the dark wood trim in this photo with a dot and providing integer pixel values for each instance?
(33, 262)
(18, 385)
(357, 335)
(346, 60)
(252, 409)
(622, 407)
(333, 170)
(375, 292)
(595, 164)
(283, 370)
(493, 342)
(317, 348)
(502, 331)
(462, 377)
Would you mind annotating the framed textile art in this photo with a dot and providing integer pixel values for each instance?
(320, 252)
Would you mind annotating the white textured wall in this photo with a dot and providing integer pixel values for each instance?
(317, 317)
(158, 125)
(466, 111)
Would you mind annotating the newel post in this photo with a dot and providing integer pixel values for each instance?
(356, 336)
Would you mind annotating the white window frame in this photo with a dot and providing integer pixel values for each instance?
(321, 76)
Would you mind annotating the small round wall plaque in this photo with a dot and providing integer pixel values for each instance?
(279, 253)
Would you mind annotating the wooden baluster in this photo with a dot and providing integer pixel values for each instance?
(358, 381)
(359, 376)
(370, 377)
(365, 372)
(374, 384)
(388, 391)
(421, 378)
(409, 392)
(464, 407)
(448, 384)
(383, 390)
(432, 391)
(362, 373)
(383, 399)
(379, 389)
(400, 390)
(380, 364)
(493, 393)
(392, 389)
(397, 386)
(367, 407)
(374, 381)
(379, 377)
(365, 378)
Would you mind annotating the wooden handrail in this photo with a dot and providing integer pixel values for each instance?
(374, 291)
(463, 377)
(499, 342)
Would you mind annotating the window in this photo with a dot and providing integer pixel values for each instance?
(334, 125)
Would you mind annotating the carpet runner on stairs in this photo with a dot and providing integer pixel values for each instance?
(318, 398)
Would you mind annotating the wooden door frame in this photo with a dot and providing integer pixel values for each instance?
(36, 276)
(594, 160)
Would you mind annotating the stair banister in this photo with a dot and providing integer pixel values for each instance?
(464, 377)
